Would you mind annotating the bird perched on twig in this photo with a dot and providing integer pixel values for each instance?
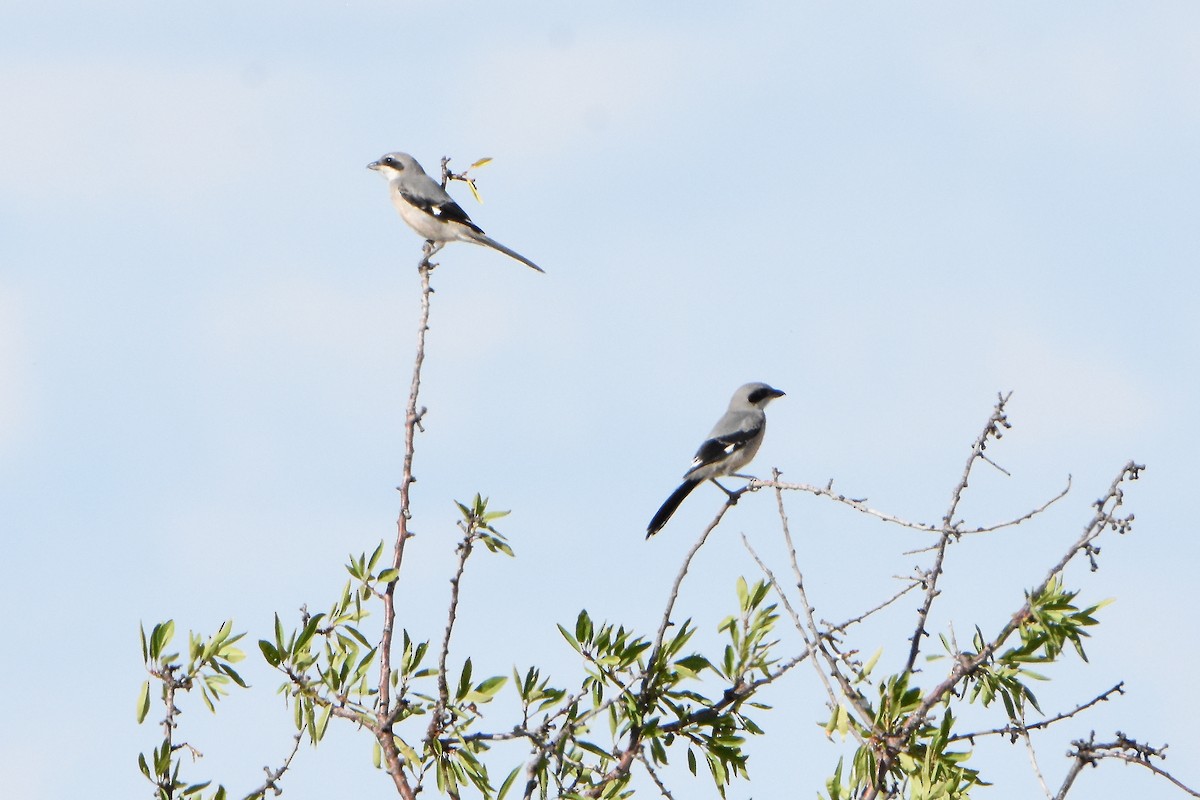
(430, 210)
(730, 445)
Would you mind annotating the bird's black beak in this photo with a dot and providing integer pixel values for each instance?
(778, 393)
(373, 165)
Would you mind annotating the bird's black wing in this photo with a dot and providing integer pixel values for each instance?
(445, 210)
(720, 447)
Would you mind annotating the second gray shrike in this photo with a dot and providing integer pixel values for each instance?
(429, 210)
(730, 445)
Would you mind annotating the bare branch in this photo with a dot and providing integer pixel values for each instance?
(859, 505)
(1013, 731)
(687, 562)
(992, 429)
(273, 775)
(965, 665)
(1037, 770)
(437, 718)
(1123, 749)
(733, 696)
(412, 421)
(842, 626)
(624, 758)
(662, 787)
(1006, 524)
(808, 628)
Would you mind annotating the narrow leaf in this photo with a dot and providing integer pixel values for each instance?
(143, 702)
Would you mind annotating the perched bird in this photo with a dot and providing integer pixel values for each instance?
(429, 210)
(731, 444)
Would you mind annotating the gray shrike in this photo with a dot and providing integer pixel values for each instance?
(731, 444)
(429, 210)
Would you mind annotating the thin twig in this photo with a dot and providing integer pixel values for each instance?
(1037, 770)
(683, 569)
(1007, 524)
(273, 775)
(859, 504)
(733, 696)
(965, 665)
(1123, 749)
(412, 420)
(1013, 731)
(662, 787)
(841, 627)
(437, 721)
(992, 429)
(808, 629)
(624, 758)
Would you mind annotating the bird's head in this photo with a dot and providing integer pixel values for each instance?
(755, 394)
(394, 164)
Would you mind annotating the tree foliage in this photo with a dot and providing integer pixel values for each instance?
(644, 698)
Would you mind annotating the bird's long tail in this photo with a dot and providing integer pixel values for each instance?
(668, 508)
(488, 241)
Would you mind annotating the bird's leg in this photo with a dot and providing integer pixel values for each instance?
(733, 496)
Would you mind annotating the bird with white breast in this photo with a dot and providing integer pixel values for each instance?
(430, 210)
(730, 445)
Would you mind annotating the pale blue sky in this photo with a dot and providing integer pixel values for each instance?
(892, 212)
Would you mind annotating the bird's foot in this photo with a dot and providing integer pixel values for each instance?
(733, 496)
(755, 483)
(428, 251)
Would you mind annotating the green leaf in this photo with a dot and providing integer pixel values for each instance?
(571, 640)
(143, 702)
(693, 663)
(594, 749)
(160, 637)
(484, 691)
(870, 665)
(508, 782)
(306, 635)
(464, 681)
(410, 755)
(228, 670)
(357, 635)
(322, 723)
(583, 627)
